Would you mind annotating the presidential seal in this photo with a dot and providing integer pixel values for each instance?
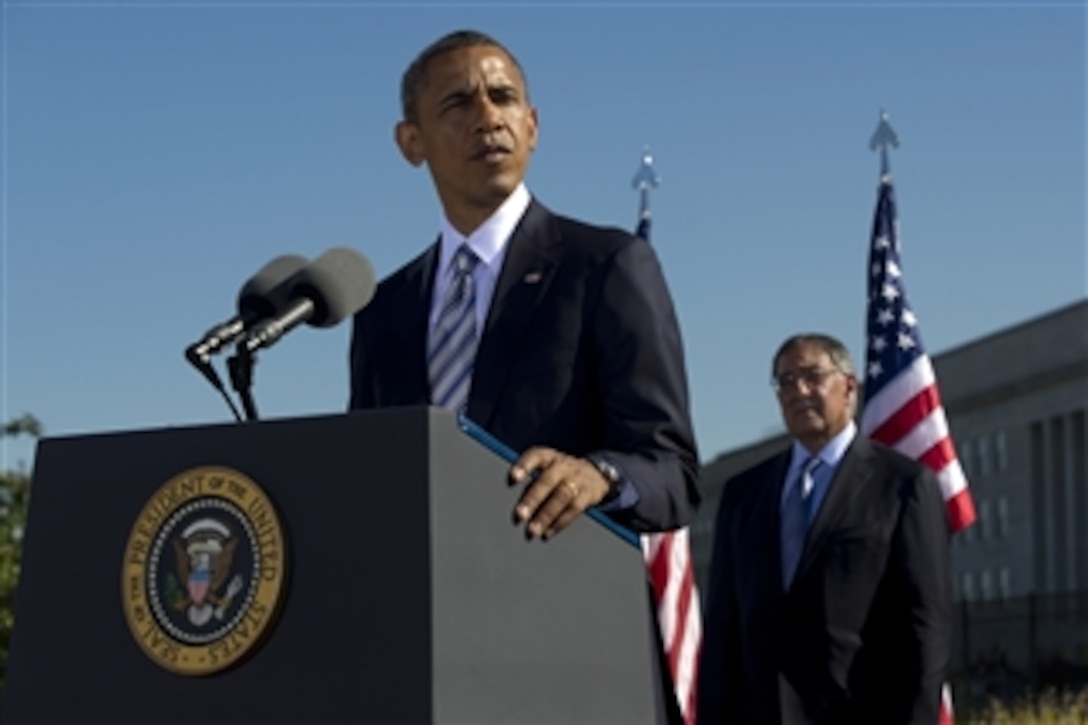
(203, 572)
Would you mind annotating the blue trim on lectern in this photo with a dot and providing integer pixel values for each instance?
(509, 455)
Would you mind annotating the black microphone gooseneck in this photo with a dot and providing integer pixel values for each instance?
(206, 369)
(240, 365)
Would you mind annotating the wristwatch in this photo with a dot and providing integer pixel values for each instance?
(611, 474)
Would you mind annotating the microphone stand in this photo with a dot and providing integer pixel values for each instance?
(241, 377)
(202, 362)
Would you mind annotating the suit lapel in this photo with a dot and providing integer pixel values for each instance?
(850, 477)
(531, 260)
(408, 358)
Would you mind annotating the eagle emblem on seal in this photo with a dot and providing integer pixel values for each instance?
(203, 555)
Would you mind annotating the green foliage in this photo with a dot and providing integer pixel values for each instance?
(1052, 707)
(25, 425)
(14, 498)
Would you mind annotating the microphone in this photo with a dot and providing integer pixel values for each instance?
(337, 284)
(265, 294)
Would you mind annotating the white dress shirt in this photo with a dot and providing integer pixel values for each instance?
(489, 243)
(830, 456)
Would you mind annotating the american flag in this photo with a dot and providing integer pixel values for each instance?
(668, 562)
(902, 406)
(676, 599)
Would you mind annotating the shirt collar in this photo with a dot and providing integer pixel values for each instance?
(489, 239)
(831, 453)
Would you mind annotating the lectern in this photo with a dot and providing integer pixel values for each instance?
(361, 568)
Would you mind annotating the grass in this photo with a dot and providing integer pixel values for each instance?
(1051, 707)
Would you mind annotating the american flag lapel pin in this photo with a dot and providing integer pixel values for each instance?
(532, 277)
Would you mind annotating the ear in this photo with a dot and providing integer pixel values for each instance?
(411, 148)
(532, 128)
(851, 389)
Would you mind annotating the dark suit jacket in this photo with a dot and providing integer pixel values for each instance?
(581, 352)
(864, 633)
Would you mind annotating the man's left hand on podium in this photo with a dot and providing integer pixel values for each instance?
(559, 489)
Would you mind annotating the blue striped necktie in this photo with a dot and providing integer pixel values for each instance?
(451, 348)
(796, 516)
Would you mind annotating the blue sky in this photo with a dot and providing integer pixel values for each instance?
(156, 154)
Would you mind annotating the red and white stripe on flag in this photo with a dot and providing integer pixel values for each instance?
(676, 598)
(948, 715)
(907, 415)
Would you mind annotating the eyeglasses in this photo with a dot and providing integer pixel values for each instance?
(812, 378)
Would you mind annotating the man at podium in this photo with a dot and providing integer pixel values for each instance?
(557, 337)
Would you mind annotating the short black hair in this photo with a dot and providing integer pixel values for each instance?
(414, 76)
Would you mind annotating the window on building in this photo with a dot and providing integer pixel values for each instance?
(965, 457)
(1004, 583)
(984, 520)
(1001, 451)
(969, 535)
(983, 456)
(985, 585)
(1002, 517)
(968, 587)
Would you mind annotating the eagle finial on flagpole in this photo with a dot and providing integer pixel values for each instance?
(646, 178)
(882, 138)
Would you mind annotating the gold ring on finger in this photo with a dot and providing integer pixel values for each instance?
(573, 488)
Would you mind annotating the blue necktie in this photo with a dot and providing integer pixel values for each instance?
(451, 348)
(796, 515)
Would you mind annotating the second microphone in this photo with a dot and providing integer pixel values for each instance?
(337, 284)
